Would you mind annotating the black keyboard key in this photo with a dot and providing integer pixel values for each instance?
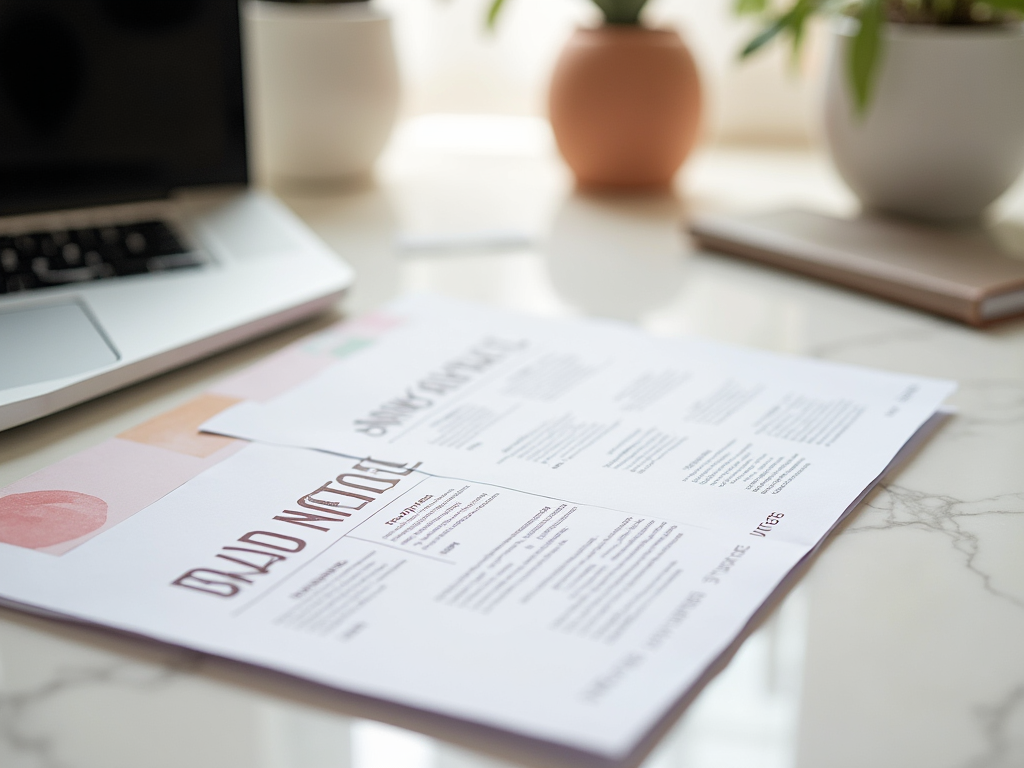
(25, 245)
(48, 246)
(42, 259)
(123, 264)
(151, 238)
(10, 261)
(72, 254)
(49, 273)
(86, 239)
(136, 243)
(22, 282)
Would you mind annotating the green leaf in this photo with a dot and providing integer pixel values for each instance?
(792, 22)
(864, 53)
(621, 11)
(1006, 5)
(766, 35)
(614, 11)
(492, 13)
(750, 7)
(801, 12)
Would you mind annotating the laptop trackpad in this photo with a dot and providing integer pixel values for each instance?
(49, 342)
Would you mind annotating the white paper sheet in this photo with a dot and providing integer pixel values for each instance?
(596, 412)
(557, 532)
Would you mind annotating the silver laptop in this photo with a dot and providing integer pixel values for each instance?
(129, 243)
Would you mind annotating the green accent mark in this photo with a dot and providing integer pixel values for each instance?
(350, 346)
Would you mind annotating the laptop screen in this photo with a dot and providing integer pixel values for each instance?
(105, 101)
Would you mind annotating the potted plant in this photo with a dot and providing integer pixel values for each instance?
(625, 100)
(324, 86)
(924, 102)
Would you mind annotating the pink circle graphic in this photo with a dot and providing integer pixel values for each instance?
(44, 518)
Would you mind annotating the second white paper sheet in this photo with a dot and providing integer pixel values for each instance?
(732, 440)
(571, 624)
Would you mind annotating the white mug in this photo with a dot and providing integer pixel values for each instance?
(323, 87)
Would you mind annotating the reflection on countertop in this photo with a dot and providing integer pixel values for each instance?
(79, 698)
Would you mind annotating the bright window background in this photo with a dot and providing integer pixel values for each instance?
(451, 63)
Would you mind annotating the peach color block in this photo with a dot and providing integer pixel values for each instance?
(178, 430)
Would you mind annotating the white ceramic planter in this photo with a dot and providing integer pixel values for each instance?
(944, 134)
(324, 87)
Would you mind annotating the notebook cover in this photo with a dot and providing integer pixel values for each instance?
(949, 271)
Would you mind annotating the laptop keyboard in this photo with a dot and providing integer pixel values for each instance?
(44, 259)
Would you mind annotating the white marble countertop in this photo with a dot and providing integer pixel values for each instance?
(903, 645)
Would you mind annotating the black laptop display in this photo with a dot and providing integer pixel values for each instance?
(104, 101)
(106, 106)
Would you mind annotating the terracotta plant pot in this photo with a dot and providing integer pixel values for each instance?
(625, 106)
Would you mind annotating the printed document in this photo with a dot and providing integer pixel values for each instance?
(599, 413)
(548, 527)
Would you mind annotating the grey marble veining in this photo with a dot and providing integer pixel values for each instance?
(990, 404)
(1002, 724)
(26, 734)
(964, 522)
